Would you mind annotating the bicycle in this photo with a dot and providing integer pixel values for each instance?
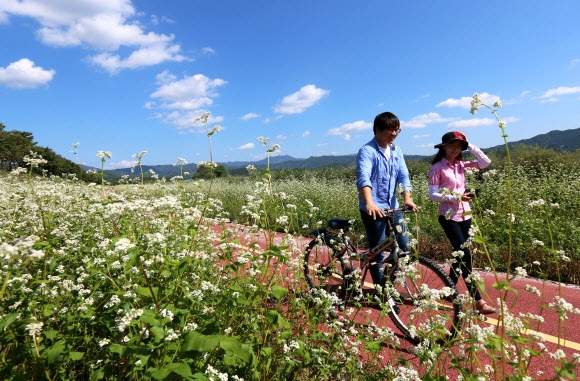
(416, 293)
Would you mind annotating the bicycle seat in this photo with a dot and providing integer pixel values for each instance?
(338, 223)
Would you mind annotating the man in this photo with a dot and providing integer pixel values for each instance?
(380, 167)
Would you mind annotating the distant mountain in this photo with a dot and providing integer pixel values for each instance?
(567, 140)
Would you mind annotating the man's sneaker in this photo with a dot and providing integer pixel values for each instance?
(484, 308)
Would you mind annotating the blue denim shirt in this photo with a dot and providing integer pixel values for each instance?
(373, 170)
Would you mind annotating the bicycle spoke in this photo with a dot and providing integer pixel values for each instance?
(424, 297)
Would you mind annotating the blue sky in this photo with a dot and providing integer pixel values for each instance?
(126, 77)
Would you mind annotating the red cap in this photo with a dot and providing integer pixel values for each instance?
(452, 136)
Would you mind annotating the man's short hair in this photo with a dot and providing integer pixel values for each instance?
(386, 120)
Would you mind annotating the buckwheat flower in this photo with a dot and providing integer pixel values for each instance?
(512, 217)
(555, 205)
(190, 327)
(489, 212)
(562, 256)
(475, 103)
(171, 335)
(501, 124)
(34, 329)
(532, 290)
(536, 203)
(497, 104)
(558, 355)
(536, 242)
(448, 213)
(536, 263)
(282, 220)
(458, 253)
(228, 330)
(104, 342)
(562, 307)
(104, 155)
(167, 314)
(521, 272)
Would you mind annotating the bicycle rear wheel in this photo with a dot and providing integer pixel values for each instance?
(323, 268)
(425, 303)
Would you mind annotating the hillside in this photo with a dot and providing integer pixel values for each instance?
(567, 140)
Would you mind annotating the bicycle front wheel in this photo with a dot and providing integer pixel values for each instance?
(323, 268)
(424, 302)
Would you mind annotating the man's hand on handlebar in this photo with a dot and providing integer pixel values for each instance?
(411, 206)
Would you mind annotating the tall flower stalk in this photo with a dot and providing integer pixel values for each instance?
(74, 151)
(180, 163)
(269, 151)
(103, 155)
(139, 157)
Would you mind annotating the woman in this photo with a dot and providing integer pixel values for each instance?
(447, 186)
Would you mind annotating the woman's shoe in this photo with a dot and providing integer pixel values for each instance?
(484, 308)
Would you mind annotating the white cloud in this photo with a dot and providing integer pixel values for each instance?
(472, 123)
(281, 137)
(250, 115)
(550, 95)
(305, 134)
(421, 121)
(121, 164)
(190, 88)
(429, 145)
(186, 123)
(422, 97)
(187, 98)
(421, 136)
(24, 74)
(465, 102)
(574, 62)
(478, 122)
(103, 26)
(207, 51)
(299, 101)
(244, 147)
(346, 129)
(549, 100)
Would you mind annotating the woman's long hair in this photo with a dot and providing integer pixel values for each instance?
(441, 154)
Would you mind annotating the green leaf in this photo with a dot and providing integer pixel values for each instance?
(7, 320)
(158, 332)
(274, 318)
(75, 356)
(54, 351)
(149, 317)
(279, 292)
(480, 239)
(50, 334)
(145, 291)
(179, 368)
(195, 341)
(116, 348)
(237, 349)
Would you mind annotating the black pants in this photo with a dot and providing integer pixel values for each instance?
(458, 233)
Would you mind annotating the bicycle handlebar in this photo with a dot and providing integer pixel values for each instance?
(404, 209)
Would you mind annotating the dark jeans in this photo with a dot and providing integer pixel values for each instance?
(377, 231)
(458, 233)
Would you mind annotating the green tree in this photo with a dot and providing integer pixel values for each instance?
(208, 171)
(14, 145)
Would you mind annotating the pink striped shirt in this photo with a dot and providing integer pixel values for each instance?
(447, 184)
